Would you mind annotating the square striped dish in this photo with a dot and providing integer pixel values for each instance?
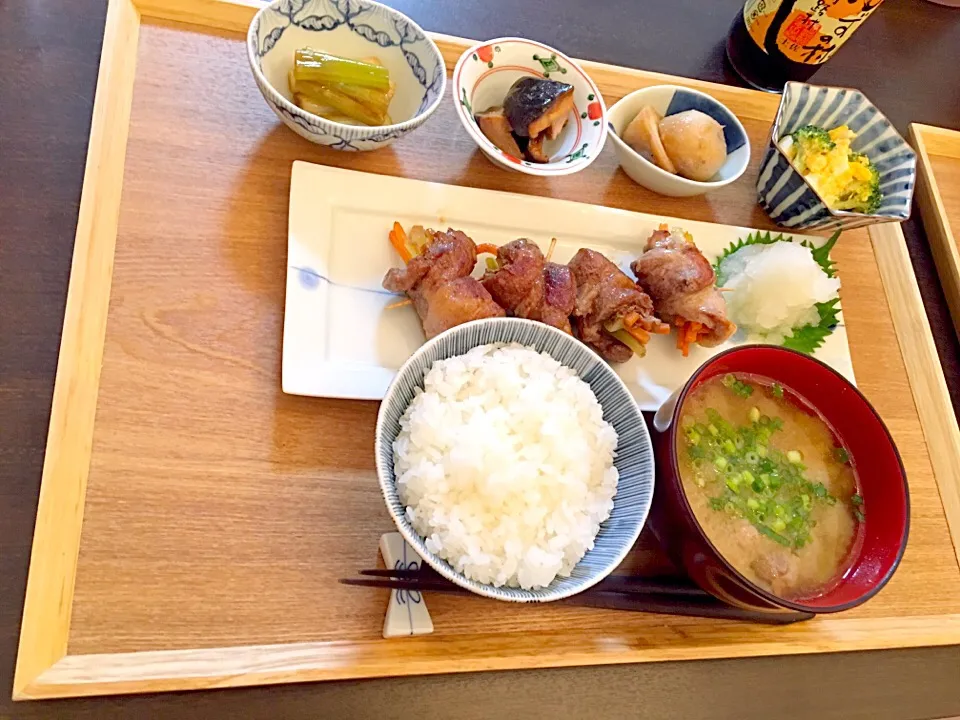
(785, 194)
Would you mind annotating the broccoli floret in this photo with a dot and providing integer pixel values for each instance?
(813, 135)
(862, 196)
(810, 141)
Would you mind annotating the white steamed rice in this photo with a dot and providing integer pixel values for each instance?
(775, 288)
(505, 465)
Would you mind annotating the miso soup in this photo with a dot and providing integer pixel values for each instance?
(769, 483)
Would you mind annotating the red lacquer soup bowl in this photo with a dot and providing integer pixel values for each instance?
(883, 484)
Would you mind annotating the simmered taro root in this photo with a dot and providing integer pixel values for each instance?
(694, 142)
(688, 143)
(643, 135)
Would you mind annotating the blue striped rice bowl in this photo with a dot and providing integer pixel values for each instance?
(634, 457)
(787, 197)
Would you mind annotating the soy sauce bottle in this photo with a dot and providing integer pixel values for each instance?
(773, 41)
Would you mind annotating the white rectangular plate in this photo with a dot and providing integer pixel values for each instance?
(339, 340)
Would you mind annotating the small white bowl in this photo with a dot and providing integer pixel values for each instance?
(353, 29)
(670, 100)
(486, 71)
(634, 459)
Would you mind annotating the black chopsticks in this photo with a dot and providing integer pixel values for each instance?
(615, 592)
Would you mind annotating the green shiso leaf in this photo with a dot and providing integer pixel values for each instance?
(808, 338)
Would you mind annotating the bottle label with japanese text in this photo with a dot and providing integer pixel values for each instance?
(805, 31)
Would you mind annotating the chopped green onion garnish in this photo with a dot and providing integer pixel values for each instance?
(777, 390)
(856, 499)
(775, 536)
(841, 455)
(858, 514)
(753, 480)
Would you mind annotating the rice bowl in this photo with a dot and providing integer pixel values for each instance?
(633, 460)
(505, 465)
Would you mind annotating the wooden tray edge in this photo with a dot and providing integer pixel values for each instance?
(926, 140)
(49, 596)
(218, 668)
(44, 669)
(927, 383)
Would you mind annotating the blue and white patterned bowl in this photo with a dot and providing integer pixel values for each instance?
(634, 451)
(349, 28)
(788, 198)
(670, 100)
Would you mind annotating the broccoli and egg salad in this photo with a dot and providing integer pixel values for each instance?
(846, 180)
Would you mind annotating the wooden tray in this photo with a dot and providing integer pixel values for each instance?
(938, 193)
(193, 519)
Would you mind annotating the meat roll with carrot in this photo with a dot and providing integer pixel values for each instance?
(681, 282)
(525, 284)
(612, 314)
(437, 278)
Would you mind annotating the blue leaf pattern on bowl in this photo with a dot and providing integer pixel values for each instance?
(372, 22)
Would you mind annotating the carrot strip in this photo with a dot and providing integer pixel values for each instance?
(489, 248)
(663, 227)
(399, 303)
(686, 334)
(641, 335)
(400, 232)
(399, 242)
(661, 329)
(630, 319)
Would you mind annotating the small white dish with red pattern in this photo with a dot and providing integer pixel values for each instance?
(484, 74)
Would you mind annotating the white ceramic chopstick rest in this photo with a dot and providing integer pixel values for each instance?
(407, 612)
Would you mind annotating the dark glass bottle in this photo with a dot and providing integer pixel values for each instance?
(773, 41)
